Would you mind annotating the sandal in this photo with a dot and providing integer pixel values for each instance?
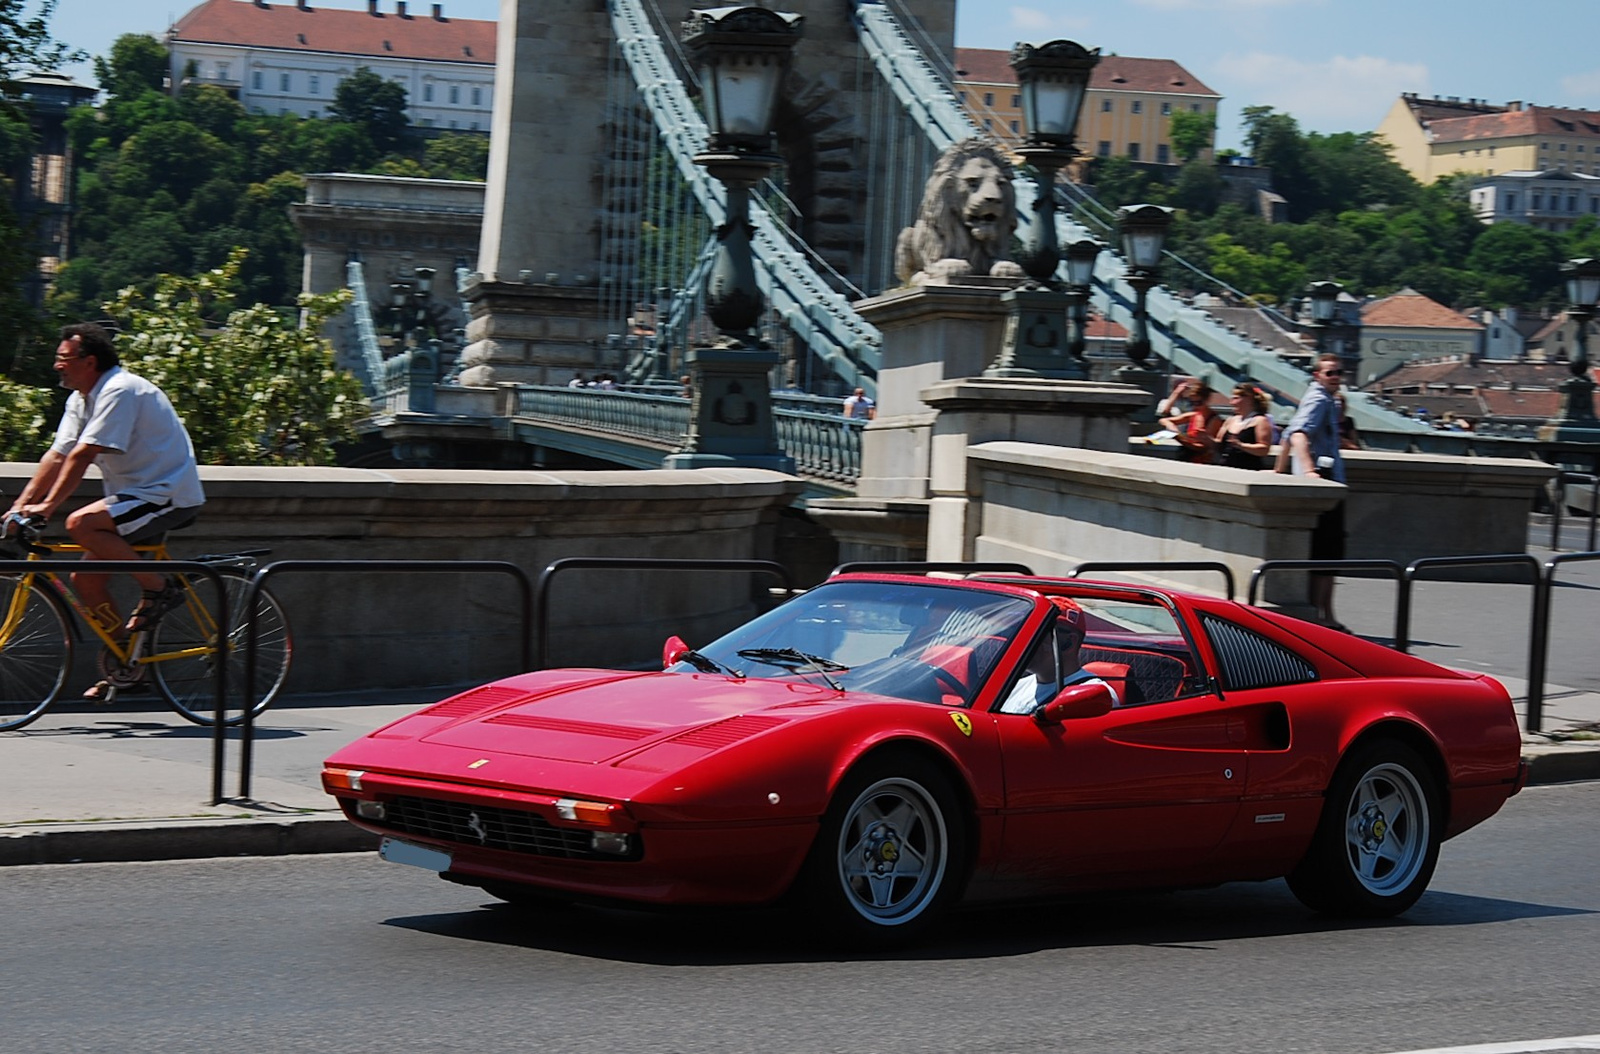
(153, 604)
(101, 693)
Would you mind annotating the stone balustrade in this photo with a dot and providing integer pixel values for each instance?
(356, 631)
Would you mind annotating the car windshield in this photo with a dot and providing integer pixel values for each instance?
(925, 643)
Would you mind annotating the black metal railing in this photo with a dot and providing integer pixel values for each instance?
(330, 567)
(625, 563)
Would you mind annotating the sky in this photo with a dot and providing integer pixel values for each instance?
(1335, 65)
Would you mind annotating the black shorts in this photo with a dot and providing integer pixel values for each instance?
(1327, 537)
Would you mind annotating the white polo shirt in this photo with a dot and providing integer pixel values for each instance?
(150, 457)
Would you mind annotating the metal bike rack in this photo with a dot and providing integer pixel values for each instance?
(1539, 645)
(279, 567)
(1141, 565)
(624, 563)
(1558, 505)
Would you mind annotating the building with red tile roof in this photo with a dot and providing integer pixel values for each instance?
(1407, 326)
(1443, 136)
(1127, 111)
(289, 58)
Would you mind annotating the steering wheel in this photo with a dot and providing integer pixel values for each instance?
(947, 681)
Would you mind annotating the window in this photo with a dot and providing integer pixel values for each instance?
(988, 98)
(1194, 107)
(1572, 203)
(314, 84)
(222, 71)
(474, 126)
(477, 96)
(1246, 659)
(455, 94)
(1511, 202)
(1579, 148)
(1561, 147)
(1166, 109)
(283, 82)
(1104, 148)
(255, 79)
(452, 124)
(1163, 154)
(963, 96)
(1016, 100)
(1537, 202)
(1133, 151)
(988, 125)
(1015, 128)
(312, 114)
(1136, 106)
(427, 93)
(1105, 105)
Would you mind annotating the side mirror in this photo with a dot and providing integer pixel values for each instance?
(1074, 703)
(672, 651)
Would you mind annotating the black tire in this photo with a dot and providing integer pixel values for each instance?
(890, 857)
(35, 652)
(189, 683)
(1378, 839)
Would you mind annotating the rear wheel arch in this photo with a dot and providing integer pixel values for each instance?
(1426, 748)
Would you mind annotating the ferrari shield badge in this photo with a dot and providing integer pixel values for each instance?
(963, 722)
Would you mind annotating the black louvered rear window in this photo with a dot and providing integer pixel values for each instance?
(1249, 660)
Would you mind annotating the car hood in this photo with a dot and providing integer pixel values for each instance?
(598, 716)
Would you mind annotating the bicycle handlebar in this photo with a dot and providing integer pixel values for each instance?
(28, 529)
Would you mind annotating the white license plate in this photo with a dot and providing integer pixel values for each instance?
(398, 852)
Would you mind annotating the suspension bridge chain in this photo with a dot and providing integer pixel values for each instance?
(818, 316)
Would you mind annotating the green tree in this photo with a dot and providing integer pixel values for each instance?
(255, 385)
(1191, 133)
(24, 417)
(1518, 264)
(378, 105)
(137, 64)
(26, 43)
(457, 157)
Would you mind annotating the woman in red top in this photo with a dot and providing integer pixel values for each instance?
(1198, 427)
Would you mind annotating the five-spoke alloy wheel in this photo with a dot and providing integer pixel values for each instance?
(1378, 839)
(890, 855)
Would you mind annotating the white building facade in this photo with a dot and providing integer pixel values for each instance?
(1551, 200)
(278, 58)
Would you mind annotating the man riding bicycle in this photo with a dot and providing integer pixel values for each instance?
(128, 427)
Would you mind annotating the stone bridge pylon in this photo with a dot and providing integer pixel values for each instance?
(548, 261)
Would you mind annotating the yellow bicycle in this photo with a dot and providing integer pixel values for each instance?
(178, 654)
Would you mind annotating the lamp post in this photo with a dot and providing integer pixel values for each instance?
(1577, 420)
(1081, 257)
(743, 54)
(1144, 234)
(1053, 79)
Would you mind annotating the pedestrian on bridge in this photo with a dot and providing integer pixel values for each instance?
(860, 405)
(1312, 438)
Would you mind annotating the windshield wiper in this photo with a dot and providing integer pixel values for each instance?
(792, 658)
(706, 664)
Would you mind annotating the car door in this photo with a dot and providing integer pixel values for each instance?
(1148, 789)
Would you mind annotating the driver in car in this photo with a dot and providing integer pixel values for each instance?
(1055, 664)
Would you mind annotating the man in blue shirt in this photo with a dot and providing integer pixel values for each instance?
(1312, 439)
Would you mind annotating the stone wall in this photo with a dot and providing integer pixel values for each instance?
(364, 630)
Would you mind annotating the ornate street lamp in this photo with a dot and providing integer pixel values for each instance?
(1144, 234)
(1081, 257)
(1577, 420)
(1053, 79)
(743, 54)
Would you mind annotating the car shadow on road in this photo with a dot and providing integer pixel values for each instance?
(1196, 920)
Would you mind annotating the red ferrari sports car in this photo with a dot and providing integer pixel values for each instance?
(885, 745)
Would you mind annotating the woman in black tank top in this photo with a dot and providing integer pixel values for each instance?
(1246, 436)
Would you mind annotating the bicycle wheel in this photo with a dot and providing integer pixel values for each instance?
(188, 634)
(35, 651)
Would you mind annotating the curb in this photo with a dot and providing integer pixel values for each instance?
(127, 841)
(138, 840)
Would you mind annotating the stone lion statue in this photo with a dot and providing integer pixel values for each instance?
(968, 214)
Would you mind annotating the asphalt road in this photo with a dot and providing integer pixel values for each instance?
(349, 954)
